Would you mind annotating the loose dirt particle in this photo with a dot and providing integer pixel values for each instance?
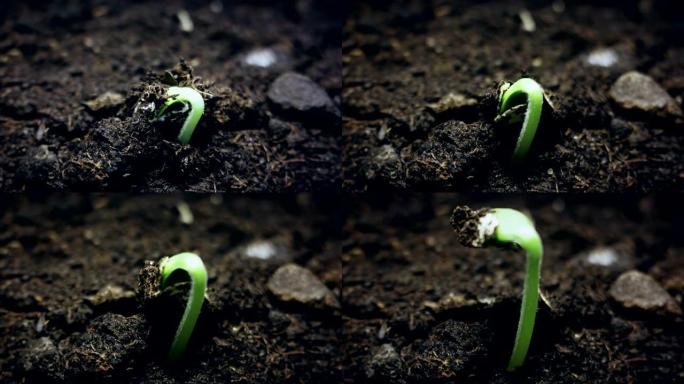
(106, 102)
(385, 365)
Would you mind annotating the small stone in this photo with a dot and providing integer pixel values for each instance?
(603, 257)
(385, 364)
(277, 250)
(612, 258)
(275, 59)
(292, 283)
(274, 250)
(298, 96)
(262, 250)
(602, 57)
(634, 91)
(452, 101)
(107, 101)
(636, 290)
(110, 293)
(261, 57)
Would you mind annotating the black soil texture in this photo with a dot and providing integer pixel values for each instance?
(81, 83)
(72, 310)
(419, 307)
(421, 80)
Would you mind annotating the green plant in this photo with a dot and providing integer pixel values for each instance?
(180, 268)
(521, 101)
(504, 226)
(189, 98)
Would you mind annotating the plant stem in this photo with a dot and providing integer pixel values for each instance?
(514, 227)
(534, 95)
(194, 268)
(185, 95)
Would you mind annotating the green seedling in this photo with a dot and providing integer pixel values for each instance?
(521, 101)
(191, 99)
(180, 268)
(506, 227)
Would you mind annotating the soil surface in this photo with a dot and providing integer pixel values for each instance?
(70, 310)
(420, 307)
(80, 83)
(420, 79)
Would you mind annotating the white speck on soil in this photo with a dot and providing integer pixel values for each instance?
(604, 257)
(262, 57)
(602, 57)
(186, 24)
(262, 250)
(185, 215)
(528, 24)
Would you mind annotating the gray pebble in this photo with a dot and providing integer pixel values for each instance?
(636, 92)
(292, 283)
(636, 290)
(297, 96)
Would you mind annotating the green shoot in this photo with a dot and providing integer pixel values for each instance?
(504, 226)
(195, 271)
(189, 98)
(521, 101)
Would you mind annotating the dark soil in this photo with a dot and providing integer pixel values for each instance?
(420, 307)
(401, 59)
(56, 58)
(57, 324)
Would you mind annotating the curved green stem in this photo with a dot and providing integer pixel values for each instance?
(186, 96)
(510, 99)
(194, 268)
(514, 227)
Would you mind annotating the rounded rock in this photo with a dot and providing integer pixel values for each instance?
(296, 95)
(292, 283)
(636, 290)
(636, 92)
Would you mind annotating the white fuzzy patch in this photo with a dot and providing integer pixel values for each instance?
(485, 229)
